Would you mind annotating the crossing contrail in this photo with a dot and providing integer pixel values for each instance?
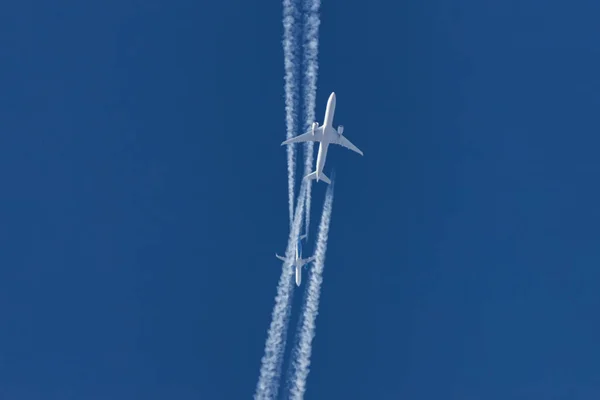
(310, 45)
(290, 62)
(271, 363)
(310, 309)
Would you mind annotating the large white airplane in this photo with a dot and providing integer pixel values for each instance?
(325, 134)
(298, 261)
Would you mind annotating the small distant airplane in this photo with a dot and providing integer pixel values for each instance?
(325, 134)
(298, 261)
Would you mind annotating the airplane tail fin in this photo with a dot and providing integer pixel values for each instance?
(320, 177)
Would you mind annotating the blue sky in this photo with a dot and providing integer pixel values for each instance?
(145, 197)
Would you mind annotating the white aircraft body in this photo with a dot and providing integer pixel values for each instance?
(325, 135)
(299, 262)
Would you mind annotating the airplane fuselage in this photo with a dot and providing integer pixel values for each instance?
(329, 111)
(298, 262)
(299, 250)
(329, 134)
(298, 274)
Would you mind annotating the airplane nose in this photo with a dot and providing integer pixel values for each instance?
(332, 95)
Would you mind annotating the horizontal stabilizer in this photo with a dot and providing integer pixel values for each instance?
(278, 256)
(319, 177)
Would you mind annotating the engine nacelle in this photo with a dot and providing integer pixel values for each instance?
(315, 125)
(341, 129)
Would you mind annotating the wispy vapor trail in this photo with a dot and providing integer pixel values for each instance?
(270, 370)
(311, 68)
(290, 62)
(303, 348)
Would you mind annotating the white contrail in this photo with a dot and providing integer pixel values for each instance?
(270, 370)
(303, 348)
(290, 62)
(311, 68)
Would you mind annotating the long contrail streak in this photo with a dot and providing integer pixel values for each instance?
(311, 68)
(271, 363)
(310, 310)
(290, 62)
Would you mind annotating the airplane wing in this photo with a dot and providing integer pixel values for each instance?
(308, 260)
(342, 141)
(278, 256)
(306, 137)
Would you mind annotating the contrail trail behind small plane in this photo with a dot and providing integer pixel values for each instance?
(271, 363)
(303, 348)
(290, 16)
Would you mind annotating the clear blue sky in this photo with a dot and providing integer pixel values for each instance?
(144, 197)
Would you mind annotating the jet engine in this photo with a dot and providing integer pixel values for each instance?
(315, 125)
(341, 129)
